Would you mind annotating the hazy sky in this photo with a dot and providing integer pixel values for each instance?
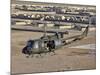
(87, 2)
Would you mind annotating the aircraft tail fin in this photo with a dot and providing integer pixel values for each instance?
(85, 32)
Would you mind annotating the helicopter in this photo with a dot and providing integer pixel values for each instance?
(50, 43)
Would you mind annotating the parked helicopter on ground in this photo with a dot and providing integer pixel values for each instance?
(50, 43)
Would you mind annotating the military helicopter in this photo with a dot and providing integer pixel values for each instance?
(50, 43)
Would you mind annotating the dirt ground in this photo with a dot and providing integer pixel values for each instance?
(66, 58)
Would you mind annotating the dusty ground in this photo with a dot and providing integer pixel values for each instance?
(66, 58)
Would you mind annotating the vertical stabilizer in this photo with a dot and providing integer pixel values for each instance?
(85, 31)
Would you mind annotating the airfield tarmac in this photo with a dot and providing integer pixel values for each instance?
(68, 58)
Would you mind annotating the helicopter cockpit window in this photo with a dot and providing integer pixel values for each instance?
(30, 43)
